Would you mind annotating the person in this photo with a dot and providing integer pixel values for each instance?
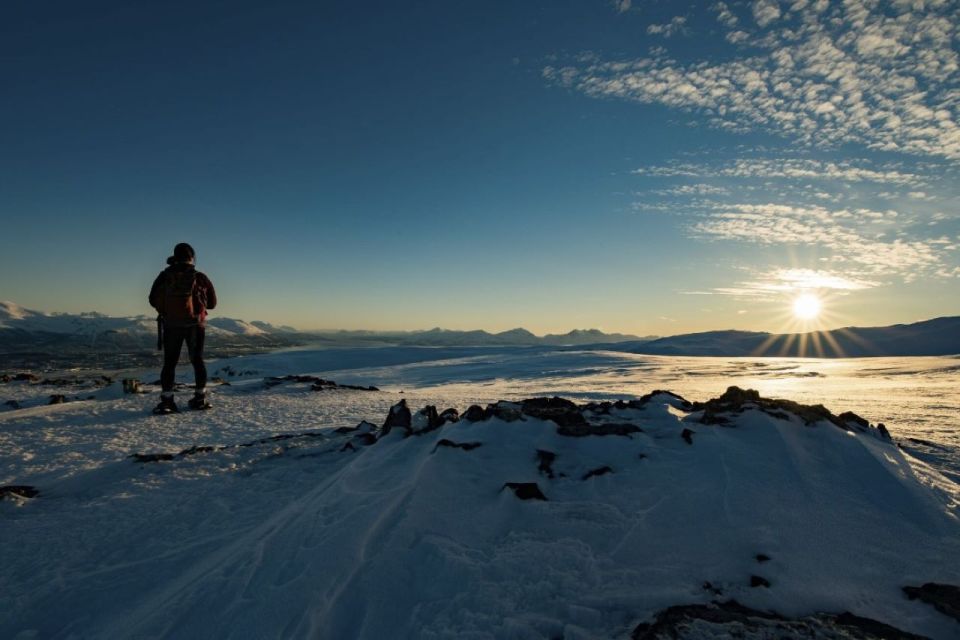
(182, 296)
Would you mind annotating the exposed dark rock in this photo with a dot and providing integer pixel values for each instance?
(687, 435)
(646, 398)
(731, 619)
(365, 439)
(325, 385)
(25, 377)
(525, 490)
(759, 581)
(13, 404)
(131, 385)
(563, 412)
(399, 417)
(348, 447)
(362, 427)
(762, 557)
(474, 413)
(193, 450)
(18, 491)
(715, 590)
(882, 430)
(736, 400)
(599, 471)
(284, 436)
(602, 408)
(58, 398)
(545, 461)
(153, 457)
(466, 446)
(848, 417)
(504, 410)
(870, 628)
(944, 597)
(317, 384)
(449, 415)
(166, 457)
(425, 420)
(607, 429)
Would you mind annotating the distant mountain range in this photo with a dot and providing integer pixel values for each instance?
(24, 330)
(477, 338)
(940, 336)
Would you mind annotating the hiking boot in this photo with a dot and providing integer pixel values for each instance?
(167, 405)
(199, 402)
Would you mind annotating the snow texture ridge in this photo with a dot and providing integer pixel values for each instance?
(536, 518)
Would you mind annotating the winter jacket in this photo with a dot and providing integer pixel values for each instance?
(204, 298)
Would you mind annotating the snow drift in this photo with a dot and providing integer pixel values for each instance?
(533, 519)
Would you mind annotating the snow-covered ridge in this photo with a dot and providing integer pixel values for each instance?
(13, 316)
(539, 518)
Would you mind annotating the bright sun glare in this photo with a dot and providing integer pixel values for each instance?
(806, 306)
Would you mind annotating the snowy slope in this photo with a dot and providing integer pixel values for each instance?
(309, 537)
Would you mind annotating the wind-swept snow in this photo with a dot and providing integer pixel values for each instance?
(326, 535)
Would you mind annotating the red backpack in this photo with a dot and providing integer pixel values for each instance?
(179, 297)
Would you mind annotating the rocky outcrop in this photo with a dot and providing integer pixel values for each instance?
(545, 460)
(563, 412)
(466, 446)
(474, 413)
(167, 457)
(944, 597)
(736, 400)
(525, 490)
(96, 381)
(399, 417)
(599, 471)
(425, 421)
(18, 491)
(732, 619)
(317, 384)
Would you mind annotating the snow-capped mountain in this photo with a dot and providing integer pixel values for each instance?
(25, 328)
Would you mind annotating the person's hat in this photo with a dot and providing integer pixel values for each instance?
(182, 253)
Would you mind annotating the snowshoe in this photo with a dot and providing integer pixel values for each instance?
(166, 406)
(199, 403)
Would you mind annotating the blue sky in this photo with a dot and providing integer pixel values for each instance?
(647, 167)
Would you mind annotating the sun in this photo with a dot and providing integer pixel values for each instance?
(807, 306)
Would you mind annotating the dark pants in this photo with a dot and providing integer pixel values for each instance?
(173, 339)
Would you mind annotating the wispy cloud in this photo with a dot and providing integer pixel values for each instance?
(678, 24)
(778, 282)
(855, 238)
(791, 168)
(826, 74)
(699, 189)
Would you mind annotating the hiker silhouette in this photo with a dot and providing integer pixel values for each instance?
(182, 295)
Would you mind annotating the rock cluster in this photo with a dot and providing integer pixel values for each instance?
(944, 597)
(732, 619)
(97, 381)
(18, 492)
(736, 400)
(318, 384)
